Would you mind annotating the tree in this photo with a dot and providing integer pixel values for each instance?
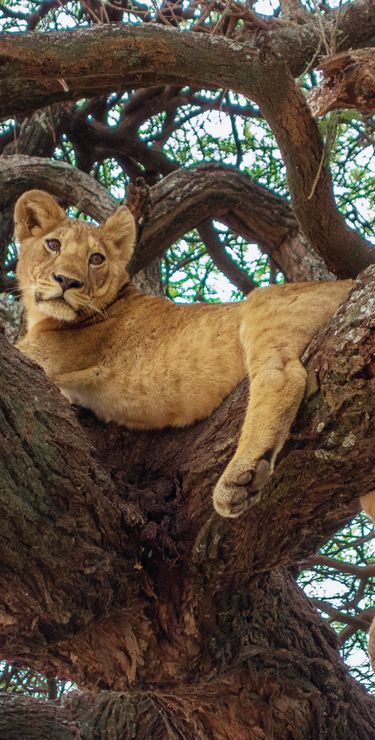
(116, 573)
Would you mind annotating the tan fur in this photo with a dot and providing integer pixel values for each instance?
(146, 363)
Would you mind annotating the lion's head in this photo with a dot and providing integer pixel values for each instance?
(67, 268)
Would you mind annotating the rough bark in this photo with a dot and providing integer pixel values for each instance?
(300, 42)
(59, 65)
(21, 718)
(42, 450)
(285, 685)
(349, 82)
(177, 204)
(116, 572)
(56, 66)
(10, 317)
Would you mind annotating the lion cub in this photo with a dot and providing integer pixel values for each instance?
(147, 363)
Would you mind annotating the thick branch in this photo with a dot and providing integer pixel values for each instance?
(36, 70)
(188, 197)
(297, 43)
(178, 203)
(286, 679)
(19, 173)
(310, 186)
(21, 717)
(56, 66)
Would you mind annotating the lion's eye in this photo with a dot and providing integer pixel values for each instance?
(53, 244)
(96, 259)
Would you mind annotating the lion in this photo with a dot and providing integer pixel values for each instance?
(146, 363)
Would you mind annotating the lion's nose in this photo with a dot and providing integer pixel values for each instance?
(67, 282)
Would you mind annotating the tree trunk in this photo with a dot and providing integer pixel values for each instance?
(115, 571)
(267, 669)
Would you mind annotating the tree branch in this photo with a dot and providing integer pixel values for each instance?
(302, 42)
(360, 571)
(222, 260)
(149, 54)
(178, 203)
(361, 621)
(22, 717)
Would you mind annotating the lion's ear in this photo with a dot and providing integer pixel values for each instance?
(120, 230)
(35, 214)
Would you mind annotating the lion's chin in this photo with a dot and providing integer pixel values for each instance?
(57, 308)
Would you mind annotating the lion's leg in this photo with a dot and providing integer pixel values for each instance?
(277, 324)
(277, 388)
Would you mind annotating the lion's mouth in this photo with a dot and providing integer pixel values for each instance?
(58, 300)
(56, 307)
(39, 298)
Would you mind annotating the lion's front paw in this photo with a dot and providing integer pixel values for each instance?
(239, 486)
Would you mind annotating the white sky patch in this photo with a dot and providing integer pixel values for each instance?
(265, 7)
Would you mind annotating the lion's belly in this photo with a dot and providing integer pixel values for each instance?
(102, 400)
(153, 400)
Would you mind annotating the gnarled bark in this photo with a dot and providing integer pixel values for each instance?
(286, 684)
(349, 82)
